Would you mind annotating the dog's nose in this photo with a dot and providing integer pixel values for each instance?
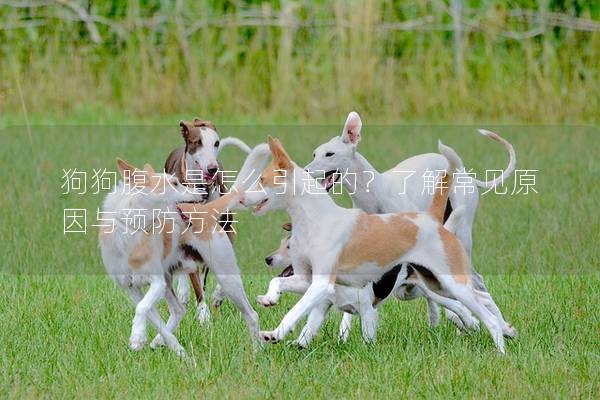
(212, 170)
(269, 260)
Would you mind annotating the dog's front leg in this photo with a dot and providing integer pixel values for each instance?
(317, 292)
(313, 324)
(294, 284)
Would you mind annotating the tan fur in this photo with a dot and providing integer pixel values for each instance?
(455, 256)
(142, 253)
(207, 215)
(440, 197)
(379, 241)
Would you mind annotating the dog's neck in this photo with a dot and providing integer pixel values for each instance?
(363, 190)
(307, 209)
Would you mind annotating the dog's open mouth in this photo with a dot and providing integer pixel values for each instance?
(184, 217)
(260, 205)
(330, 178)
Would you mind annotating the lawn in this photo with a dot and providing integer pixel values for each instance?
(65, 325)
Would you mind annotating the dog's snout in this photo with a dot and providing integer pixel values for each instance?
(269, 260)
(212, 170)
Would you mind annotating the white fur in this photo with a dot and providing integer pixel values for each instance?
(321, 229)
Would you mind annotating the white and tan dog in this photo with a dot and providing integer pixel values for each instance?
(362, 302)
(151, 257)
(402, 188)
(349, 247)
(136, 257)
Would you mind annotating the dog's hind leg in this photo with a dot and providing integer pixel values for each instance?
(507, 329)
(467, 297)
(146, 310)
(176, 313)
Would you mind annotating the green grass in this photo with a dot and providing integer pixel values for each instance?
(65, 326)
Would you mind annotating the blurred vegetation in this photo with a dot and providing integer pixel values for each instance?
(518, 61)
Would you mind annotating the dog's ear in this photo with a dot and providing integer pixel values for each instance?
(131, 173)
(287, 226)
(148, 168)
(186, 127)
(280, 156)
(351, 133)
(197, 121)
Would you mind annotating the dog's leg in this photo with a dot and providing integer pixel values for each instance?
(313, 324)
(434, 313)
(295, 284)
(145, 309)
(199, 282)
(220, 258)
(488, 301)
(463, 318)
(317, 292)
(183, 289)
(176, 313)
(467, 297)
(345, 327)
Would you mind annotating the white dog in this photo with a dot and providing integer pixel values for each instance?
(402, 188)
(350, 247)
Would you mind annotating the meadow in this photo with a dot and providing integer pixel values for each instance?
(65, 325)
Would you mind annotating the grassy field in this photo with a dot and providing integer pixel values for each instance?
(65, 326)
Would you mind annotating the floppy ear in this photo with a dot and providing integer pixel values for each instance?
(185, 129)
(197, 121)
(148, 168)
(287, 226)
(280, 157)
(351, 133)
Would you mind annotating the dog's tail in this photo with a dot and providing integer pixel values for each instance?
(454, 220)
(249, 173)
(442, 190)
(511, 163)
(233, 141)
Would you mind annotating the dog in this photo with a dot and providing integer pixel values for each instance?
(402, 188)
(145, 256)
(350, 247)
(196, 164)
(351, 301)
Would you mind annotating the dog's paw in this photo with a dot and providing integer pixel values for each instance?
(509, 331)
(180, 351)
(203, 313)
(157, 342)
(266, 300)
(218, 297)
(137, 341)
(269, 336)
(299, 343)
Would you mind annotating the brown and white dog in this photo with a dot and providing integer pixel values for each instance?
(196, 164)
(333, 245)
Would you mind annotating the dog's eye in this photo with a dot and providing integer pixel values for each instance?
(329, 154)
(175, 183)
(314, 155)
(217, 143)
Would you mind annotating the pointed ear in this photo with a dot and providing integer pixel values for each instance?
(148, 168)
(280, 157)
(126, 170)
(287, 226)
(351, 133)
(185, 129)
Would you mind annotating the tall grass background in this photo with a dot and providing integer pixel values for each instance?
(517, 61)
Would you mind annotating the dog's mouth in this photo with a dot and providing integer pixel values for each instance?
(260, 206)
(330, 178)
(184, 217)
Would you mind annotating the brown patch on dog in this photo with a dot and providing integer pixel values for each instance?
(287, 226)
(167, 237)
(440, 198)
(192, 133)
(456, 257)
(142, 253)
(379, 241)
